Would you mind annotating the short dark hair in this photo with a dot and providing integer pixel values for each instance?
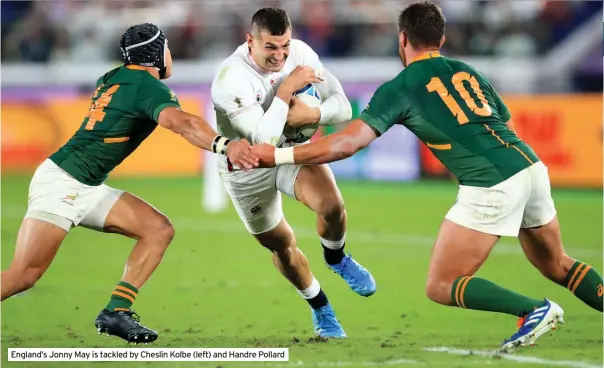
(274, 20)
(423, 23)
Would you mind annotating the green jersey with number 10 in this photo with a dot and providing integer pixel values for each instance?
(123, 112)
(455, 111)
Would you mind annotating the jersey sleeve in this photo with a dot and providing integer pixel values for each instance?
(305, 55)
(154, 97)
(232, 93)
(383, 111)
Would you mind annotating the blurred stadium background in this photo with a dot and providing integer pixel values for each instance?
(544, 57)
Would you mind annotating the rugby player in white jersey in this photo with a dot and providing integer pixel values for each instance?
(252, 95)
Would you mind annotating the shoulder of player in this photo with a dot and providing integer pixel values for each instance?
(300, 50)
(150, 81)
(395, 86)
(145, 85)
(233, 72)
(462, 65)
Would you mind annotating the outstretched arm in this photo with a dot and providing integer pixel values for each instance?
(199, 133)
(334, 147)
(385, 110)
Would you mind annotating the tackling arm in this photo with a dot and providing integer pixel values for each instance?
(338, 146)
(199, 133)
(193, 128)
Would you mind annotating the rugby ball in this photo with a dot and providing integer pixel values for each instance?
(310, 96)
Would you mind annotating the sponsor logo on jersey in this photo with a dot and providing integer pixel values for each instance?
(238, 102)
(173, 96)
(600, 291)
(256, 209)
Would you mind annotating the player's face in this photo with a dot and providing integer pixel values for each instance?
(269, 52)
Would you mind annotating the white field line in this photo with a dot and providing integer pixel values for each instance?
(515, 358)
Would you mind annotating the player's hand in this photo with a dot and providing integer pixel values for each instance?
(301, 114)
(300, 78)
(265, 153)
(240, 154)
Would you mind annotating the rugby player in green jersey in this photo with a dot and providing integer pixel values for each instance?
(67, 189)
(504, 188)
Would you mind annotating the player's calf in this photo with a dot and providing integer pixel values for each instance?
(543, 247)
(331, 227)
(37, 243)
(146, 255)
(132, 217)
(15, 281)
(556, 270)
(458, 254)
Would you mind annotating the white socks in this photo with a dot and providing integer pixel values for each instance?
(334, 244)
(311, 291)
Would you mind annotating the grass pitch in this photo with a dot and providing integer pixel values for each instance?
(217, 288)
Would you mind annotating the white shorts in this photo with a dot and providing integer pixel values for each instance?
(522, 201)
(256, 195)
(56, 197)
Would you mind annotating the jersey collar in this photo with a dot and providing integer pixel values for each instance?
(425, 56)
(134, 67)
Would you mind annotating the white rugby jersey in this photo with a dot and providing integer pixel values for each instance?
(242, 92)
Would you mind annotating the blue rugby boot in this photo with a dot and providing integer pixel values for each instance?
(533, 325)
(326, 324)
(356, 276)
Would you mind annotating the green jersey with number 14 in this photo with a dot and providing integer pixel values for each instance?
(455, 111)
(124, 111)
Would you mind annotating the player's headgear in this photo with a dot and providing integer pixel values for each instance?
(145, 45)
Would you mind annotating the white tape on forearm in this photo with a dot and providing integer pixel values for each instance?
(284, 156)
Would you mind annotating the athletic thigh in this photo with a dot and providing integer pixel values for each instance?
(316, 187)
(458, 251)
(256, 199)
(279, 238)
(37, 244)
(543, 247)
(131, 216)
